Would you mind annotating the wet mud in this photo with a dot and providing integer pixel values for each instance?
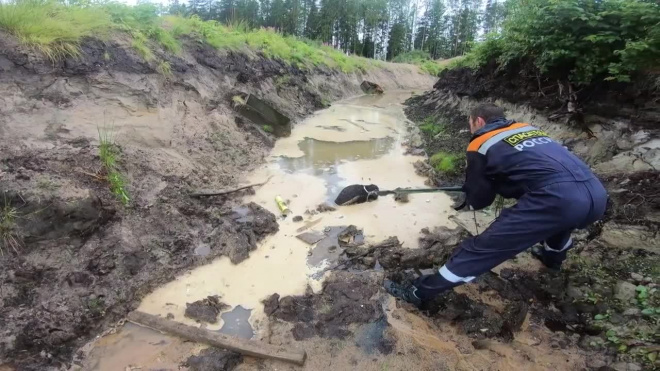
(205, 310)
(212, 359)
(345, 299)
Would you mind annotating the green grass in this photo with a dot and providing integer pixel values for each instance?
(432, 128)
(302, 53)
(238, 101)
(164, 68)
(423, 60)
(57, 30)
(108, 153)
(141, 44)
(446, 163)
(9, 236)
(267, 128)
(54, 29)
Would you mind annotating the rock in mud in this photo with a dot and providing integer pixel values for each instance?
(351, 236)
(324, 207)
(297, 218)
(369, 87)
(422, 168)
(621, 236)
(402, 198)
(271, 304)
(393, 256)
(213, 359)
(205, 310)
(625, 291)
(252, 223)
(311, 237)
(637, 277)
(632, 312)
(261, 113)
(415, 152)
(345, 299)
(623, 366)
(442, 236)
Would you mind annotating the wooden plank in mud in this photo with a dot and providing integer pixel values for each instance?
(251, 348)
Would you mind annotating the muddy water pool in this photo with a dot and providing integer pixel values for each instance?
(355, 141)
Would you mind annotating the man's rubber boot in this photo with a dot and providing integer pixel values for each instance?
(551, 259)
(405, 293)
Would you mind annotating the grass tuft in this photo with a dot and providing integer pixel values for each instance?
(9, 236)
(140, 44)
(108, 153)
(238, 101)
(164, 68)
(432, 128)
(423, 60)
(444, 162)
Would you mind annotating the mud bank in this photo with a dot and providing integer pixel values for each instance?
(82, 260)
(610, 277)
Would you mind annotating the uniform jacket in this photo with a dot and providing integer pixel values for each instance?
(511, 158)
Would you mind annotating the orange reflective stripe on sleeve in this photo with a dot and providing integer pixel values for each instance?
(478, 141)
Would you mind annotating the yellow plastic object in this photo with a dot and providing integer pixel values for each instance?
(282, 206)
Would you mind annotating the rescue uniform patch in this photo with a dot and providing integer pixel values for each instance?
(515, 139)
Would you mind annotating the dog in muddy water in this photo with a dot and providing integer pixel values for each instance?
(357, 194)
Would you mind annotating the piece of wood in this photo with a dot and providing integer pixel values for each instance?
(247, 347)
(309, 225)
(227, 191)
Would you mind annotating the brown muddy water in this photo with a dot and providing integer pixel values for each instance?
(355, 141)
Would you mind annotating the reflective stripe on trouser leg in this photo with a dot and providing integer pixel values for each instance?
(566, 246)
(451, 277)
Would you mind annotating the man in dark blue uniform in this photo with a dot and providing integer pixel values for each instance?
(556, 194)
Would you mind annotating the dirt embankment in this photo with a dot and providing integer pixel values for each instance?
(607, 292)
(74, 259)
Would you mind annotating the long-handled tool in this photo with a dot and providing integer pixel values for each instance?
(360, 193)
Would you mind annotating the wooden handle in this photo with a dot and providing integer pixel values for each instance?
(247, 347)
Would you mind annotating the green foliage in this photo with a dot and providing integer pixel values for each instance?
(432, 128)
(647, 300)
(108, 153)
(489, 49)
(298, 52)
(54, 29)
(444, 162)
(344, 30)
(581, 40)
(267, 128)
(421, 59)
(141, 44)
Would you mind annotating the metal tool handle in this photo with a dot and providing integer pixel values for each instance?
(421, 190)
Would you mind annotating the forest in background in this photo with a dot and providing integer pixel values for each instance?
(381, 29)
(577, 41)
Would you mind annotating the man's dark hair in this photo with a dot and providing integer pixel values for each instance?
(487, 112)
